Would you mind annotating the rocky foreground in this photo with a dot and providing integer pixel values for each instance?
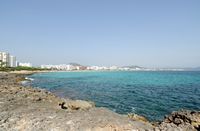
(30, 109)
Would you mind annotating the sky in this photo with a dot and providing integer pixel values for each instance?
(149, 33)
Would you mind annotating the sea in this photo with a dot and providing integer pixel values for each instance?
(152, 94)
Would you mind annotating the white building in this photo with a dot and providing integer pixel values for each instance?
(97, 68)
(68, 67)
(25, 64)
(113, 68)
(4, 58)
(13, 62)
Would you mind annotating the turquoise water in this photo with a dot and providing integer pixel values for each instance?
(151, 94)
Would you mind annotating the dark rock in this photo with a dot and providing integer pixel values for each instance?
(177, 121)
(38, 99)
(184, 119)
(62, 105)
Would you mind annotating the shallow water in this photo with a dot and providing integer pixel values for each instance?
(152, 94)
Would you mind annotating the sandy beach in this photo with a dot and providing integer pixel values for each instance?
(31, 109)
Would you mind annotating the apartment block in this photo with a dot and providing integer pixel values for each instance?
(13, 62)
(4, 59)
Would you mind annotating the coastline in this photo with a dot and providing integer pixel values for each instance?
(27, 108)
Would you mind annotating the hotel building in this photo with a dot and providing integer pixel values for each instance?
(4, 59)
(13, 62)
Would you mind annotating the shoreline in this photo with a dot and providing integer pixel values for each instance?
(25, 72)
(67, 114)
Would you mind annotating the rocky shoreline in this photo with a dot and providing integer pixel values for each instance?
(30, 109)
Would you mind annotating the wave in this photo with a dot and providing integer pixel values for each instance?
(27, 78)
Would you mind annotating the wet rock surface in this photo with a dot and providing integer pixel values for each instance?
(30, 109)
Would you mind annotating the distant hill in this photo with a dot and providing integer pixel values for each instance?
(75, 64)
(133, 67)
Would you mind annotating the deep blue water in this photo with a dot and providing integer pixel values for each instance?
(151, 94)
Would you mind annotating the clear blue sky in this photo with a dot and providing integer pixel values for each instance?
(150, 33)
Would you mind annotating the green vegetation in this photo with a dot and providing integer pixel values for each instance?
(20, 68)
(2, 64)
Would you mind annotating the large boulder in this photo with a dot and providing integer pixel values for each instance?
(77, 105)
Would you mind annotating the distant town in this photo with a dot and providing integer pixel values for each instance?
(7, 60)
(75, 66)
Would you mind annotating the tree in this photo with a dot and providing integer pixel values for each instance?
(2, 64)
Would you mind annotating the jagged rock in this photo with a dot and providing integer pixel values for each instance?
(62, 105)
(184, 120)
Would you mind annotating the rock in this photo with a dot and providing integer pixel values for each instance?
(111, 127)
(62, 105)
(184, 120)
(79, 105)
(196, 125)
(136, 117)
(178, 121)
(38, 99)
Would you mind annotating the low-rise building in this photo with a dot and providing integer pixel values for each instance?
(68, 67)
(25, 64)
